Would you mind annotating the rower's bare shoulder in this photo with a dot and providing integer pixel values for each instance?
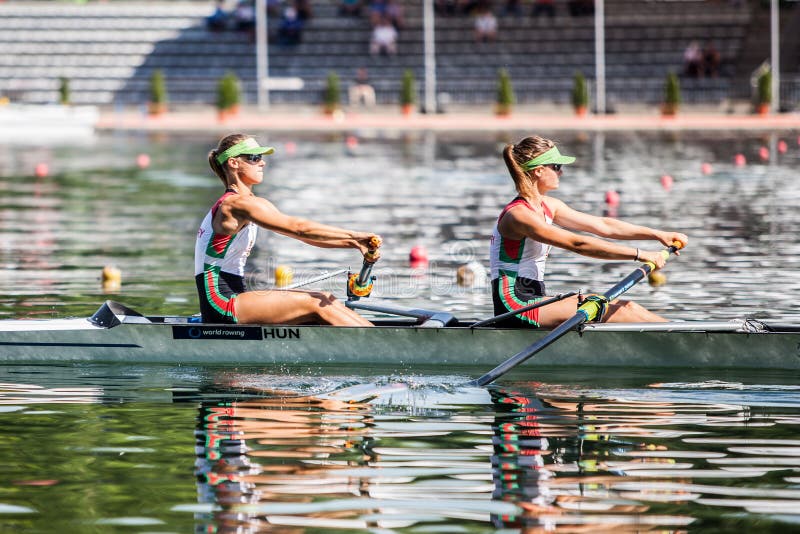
(553, 203)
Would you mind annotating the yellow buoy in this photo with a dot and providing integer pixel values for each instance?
(465, 277)
(283, 275)
(657, 278)
(111, 278)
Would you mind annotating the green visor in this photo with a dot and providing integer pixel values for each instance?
(548, 158)
(248, 146)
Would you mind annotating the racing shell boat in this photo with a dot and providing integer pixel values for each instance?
(402, 338)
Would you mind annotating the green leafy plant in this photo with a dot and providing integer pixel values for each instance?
(580, 92)
(63, 92)
(333, 94)
(505, 93)
(228, 92)
(158, 93)
(672, 94)
(765, 87)
(408, 89)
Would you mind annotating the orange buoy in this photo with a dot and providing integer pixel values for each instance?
(612, 197)
(782, 146)
(706, 168)
(666, 182)
(739, 160)
(763, 153)
(290, 148)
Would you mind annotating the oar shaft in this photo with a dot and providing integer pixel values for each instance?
(496, 318)
(534, 348)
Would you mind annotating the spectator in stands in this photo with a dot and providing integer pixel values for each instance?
(361, 92)
(275, 8)
(303, 8)
(394, 10)
(377, 12)
(512, 8)
(350, 8)
(218, 21)
(485, 25)
(445, 7)
(546, 7)
(384, 38)
(711, 60)
(244, 16)
(581, 8)
(693, 60)
(290, 29)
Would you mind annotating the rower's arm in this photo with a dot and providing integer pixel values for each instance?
(265, 214)
(609, 227)
(519, 221)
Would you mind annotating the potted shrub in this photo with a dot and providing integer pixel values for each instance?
(580, 94)
(672, 96)
(408, 92)
(332, 98)
(228, 96)
(63, 92)
(764, 92)
(505, 93)
(157, 104)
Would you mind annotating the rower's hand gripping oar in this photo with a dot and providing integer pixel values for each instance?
(588, 311)
(360, 284)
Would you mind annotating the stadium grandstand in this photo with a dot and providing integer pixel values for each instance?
(109, 49)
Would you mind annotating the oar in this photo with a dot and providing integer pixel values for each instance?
(496, 318)
(316, 279)
(360, 284)
(586, 312)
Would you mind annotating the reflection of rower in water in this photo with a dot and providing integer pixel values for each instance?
(259, 450)
(517, 462)
(521, 473)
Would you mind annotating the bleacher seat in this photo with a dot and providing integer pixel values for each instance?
(109, 51)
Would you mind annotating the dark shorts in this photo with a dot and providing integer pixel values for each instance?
(217, 291)
(509, 294)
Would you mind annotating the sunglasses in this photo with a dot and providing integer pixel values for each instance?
(252, 158)
(555, 166)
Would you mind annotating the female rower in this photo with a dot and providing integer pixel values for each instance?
(532, 223)
(228, 233)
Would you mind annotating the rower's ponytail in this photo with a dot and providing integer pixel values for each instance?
(224, 144)
(518, 155)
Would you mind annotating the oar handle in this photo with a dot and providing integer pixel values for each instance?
(360, 284)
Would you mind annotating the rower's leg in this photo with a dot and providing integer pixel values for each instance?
(295, 307)
(619, 311)
(627, 311)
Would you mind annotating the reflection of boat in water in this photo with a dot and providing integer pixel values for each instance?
(20, 123)
(512, 460)
(118, 334)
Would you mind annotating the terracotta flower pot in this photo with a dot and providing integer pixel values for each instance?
(580, 111)
(669, 110)
(155, 109)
